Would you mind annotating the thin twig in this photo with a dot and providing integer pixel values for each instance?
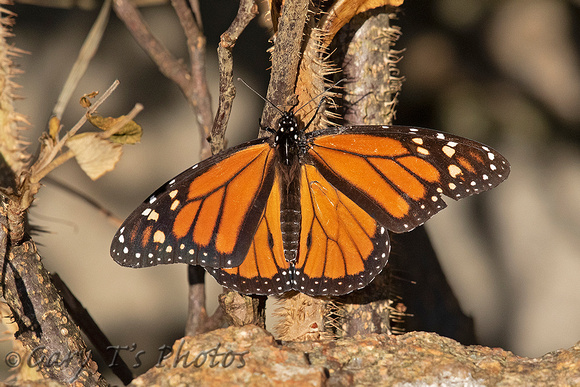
(86, 198)
(85, 56)
(194, 4)
(170, 66)
(198, 321)
(90, 111)
(197, 92)
(190, 27)
(122, 122)
(194, 87)
(48, 161)
(247, 10)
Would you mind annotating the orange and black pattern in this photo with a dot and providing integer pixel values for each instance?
(305, 211)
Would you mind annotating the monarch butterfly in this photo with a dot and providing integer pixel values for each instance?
(305, 211)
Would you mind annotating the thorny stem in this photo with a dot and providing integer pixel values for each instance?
(285, 59)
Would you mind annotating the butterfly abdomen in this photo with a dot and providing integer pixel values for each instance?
(290, 219)
(287, 142)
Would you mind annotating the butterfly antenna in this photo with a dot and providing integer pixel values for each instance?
(260, 95)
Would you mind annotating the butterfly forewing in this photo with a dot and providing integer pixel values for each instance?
(342, 248)
(205, 216)
(398, 173)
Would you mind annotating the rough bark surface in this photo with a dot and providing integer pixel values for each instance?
(250, 356)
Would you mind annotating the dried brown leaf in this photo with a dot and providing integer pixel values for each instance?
(130, 133)
(95, 155)
(344, 10)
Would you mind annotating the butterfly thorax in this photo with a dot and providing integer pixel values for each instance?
(287, 142)
(287, 139)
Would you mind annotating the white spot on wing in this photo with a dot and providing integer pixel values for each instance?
(159, 237)
(154, 215)
(423, 151)
(454, 170)
(449, 152)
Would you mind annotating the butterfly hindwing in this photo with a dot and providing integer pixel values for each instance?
(342, 248)
(205, 216)
(264, 270)
(398, 173)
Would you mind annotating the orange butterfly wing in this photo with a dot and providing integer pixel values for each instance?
(205, 216)
(264, 269)
(342, 248)
(355, 184)
(397, 173)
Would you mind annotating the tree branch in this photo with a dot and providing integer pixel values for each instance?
(193, 85)
(285, 59)
(44, 324)
(167, 63)
(197, 92)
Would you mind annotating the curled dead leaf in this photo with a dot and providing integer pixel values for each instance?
(53, 127)
(95, 155)
(316, 65)
(130, 133)
(86, 99)
(342, 11)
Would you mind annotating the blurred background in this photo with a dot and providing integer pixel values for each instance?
(505, 73)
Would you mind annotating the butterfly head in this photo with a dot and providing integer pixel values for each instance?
(287, 137)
